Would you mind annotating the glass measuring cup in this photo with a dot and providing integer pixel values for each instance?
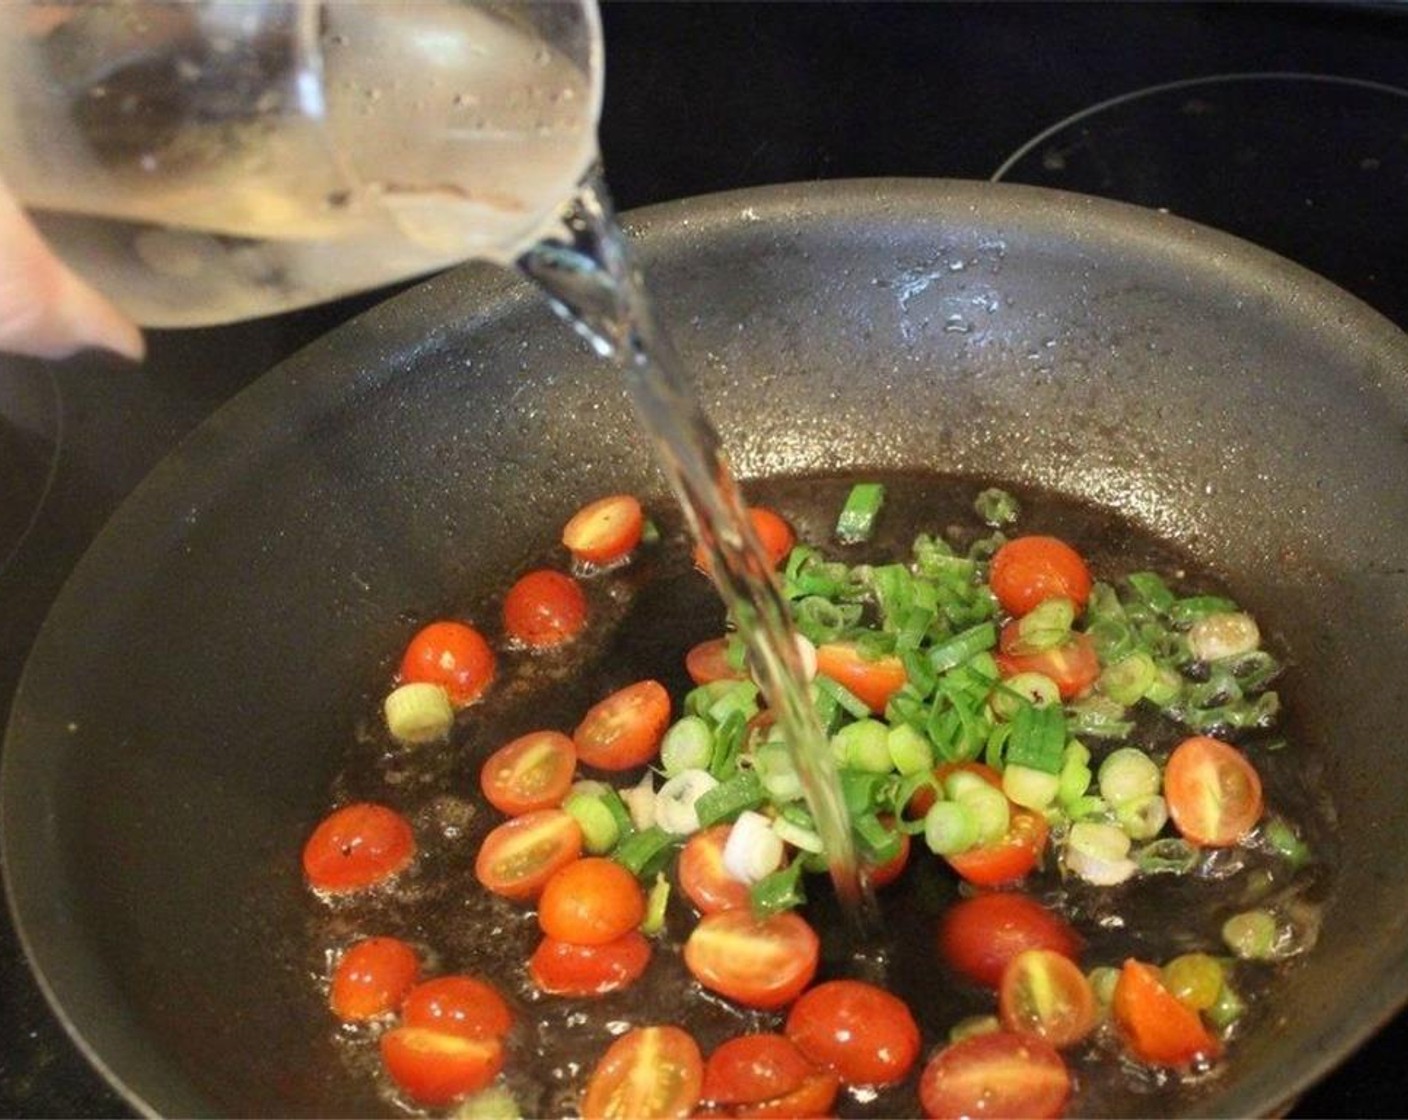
(204, 162)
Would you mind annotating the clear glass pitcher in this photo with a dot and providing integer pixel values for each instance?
(202, 162)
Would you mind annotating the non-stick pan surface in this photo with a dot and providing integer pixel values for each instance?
(189, 697)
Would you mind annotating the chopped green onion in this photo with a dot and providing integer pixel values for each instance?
(753, 850)
(618, 810)
(1184, 612)
(862, 790)
(782, 890)
(1044, 627)
(910, 752)
(418, 713)
(799, 836)
(1195, 978)
(1282, 837)
(1166, 687)
(739, 697)
(949, 828)
(820, 620)
(1098, 853)
(856, 523)
(1127, 680)
(677, 800)
(1098, 717)
(649, 532)
(1127, 774)
(1170, 856)
(1228, 1008)
(1032, 789)
(726, 800)
(1089, 808)
(1075, 781)
(1252, 935)
(997, 507)
(493, 1103)
(600, 830)
(687, 745)
(1150, 590)
(1038, 739)
(1142, 818)
(728, 743)
(842, 695)
(879, 843)
(1223, 634)
(642, 852)
(1103, 979)
(989, 808)
(772, 762)
(863, 745)
(962, 646)
(1036, 689)
(655, 902)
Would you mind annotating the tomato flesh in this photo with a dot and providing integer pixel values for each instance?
(590, 902)
(436, 1068)
(532, 772)
(703, 877)
(862, 1033)
(811, 1099)
(356, 847)
(563, 969)
(606, 530)
(759, 962)
(625, 729)
(1214, 794)
(647, 1073)
(979, 936)
(753, 1068)
(1044, 993)
(1026, 571)
(463, 1006)
(518, 857)
(545, 609)
(708, 662)
(453, 655)
(1010, 858)
(372, 978)
(1158, 1027)
(995, 1075)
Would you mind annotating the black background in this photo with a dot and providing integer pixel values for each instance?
(704, 97)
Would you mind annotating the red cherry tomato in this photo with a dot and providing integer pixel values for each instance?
(650, 1073)
(1073, 665)
(372, 978)
(753, 1068)
(773, 533)
(518, 858)
(995, 1075)
(532, 772)
(978, 936)
(1027, 571)
(436, 1069)
(590, 902)
(562, 969)
(545, 609)
(459, 1005)
(708, 662)
(1045, 994)
(886, 873)
(453, 655)
(863, 1033)
(872, 679)
(1010, 858)
(759, 962)
(703, 877)
(357, 846)
(811, 1099)
(1214, 793)
(605, 530)
(1158, 1027)
(625, 729)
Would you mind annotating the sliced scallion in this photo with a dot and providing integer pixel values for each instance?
(726, 800)
(1142, 818)
(949, 828)
(600, 830)
(1032, 789)
(782, 890)
(1046, 626)
(1127, 680)
(419, 713)
(863, 745)
(797, 835)
(642, 852)
(910, 752)
(989, 809)
(656, 900)
(962, 646)
(1169, 856)
(1253, 935)
(1038, 738)
(1126, 774)
(856, 523)
(687, 745)
(997, 507)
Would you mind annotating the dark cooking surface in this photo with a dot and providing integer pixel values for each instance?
(702, 98)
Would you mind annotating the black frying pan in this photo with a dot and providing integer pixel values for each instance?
(192, 692)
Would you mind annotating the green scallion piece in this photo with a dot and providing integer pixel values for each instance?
(863, 791)
(863, 745)
(843, 696)
(1098, 717)
(962, 646)
(729, 798)
(1184, 612)
(1046, 626)
(728, 743)
(1151, 591)
(655, 902)
(687, 745)
(949, 828)
(1103, 979)
(878, 843)
(973, 1025)
(1228, 1008)
(622, 815)
(782, 890)
(997, 507)
(1169, 856)
(643, 852)
(910, 752)
(1252, 935)
(1284, 840)
(1038, 738)
(1127, 680)
(600, 831)
(856, 523)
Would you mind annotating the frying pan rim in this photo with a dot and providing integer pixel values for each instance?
(314, 378)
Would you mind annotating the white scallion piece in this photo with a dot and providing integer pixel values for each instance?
(640, 800)
(803, 838)
(753, 849)
(1223, 634)
(419, 713)
(674, 804)
(1099, 853)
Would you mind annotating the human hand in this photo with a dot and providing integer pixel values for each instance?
(46, 311)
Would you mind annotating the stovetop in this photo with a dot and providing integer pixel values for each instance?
(1283, 124)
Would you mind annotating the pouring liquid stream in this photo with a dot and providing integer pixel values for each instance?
(583, 266)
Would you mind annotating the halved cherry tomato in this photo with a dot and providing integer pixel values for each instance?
(437, 1068)
(773, 533)
(1026, 571)
(1008, 859)
(625, 729)
(1158, 1027)
(463, 1006)
(811, 1099)
(590, 902)
(753, 1068)
(995, 1075)
(1044, 993)
(563, 969)
(451, 654)
(1073, 665)
(708, 662)
(759, 962)
(702, 874)
(978, 936)
(650, 1073)
(872, 679)
(532, 772)
(605, 530)
(1214, 793)
(518, 858)
(863, 1033)
(886, 873)
(357, 846)
(545, 609)
(372, 978)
